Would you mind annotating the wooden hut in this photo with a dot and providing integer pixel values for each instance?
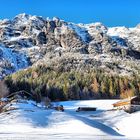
(130, 105)
(14, 97)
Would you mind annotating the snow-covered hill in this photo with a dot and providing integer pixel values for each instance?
(31, 122)
(30, 40)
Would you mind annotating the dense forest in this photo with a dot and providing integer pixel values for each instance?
(72, 85)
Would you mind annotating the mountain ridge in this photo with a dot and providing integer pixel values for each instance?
(30, 40)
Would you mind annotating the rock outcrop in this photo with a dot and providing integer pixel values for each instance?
(31, 40)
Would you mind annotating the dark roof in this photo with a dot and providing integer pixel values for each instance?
(22, 92)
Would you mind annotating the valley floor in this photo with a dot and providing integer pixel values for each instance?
(33, 122)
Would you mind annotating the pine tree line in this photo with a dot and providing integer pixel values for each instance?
(72, 85)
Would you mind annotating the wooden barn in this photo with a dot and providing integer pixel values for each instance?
(14, 97)
(130, 105)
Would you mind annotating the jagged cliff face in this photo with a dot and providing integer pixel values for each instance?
(30, 40)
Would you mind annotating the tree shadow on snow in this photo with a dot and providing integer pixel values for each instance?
(38, 118)
(94, 123)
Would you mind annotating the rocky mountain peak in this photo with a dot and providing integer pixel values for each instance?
(30, 40)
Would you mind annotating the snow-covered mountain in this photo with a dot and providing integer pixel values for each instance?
(31, 40)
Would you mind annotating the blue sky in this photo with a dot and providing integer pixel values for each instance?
(109, 12)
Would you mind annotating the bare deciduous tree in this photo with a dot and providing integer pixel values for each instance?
(3, 89)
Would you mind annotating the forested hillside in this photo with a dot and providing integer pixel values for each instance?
(72, 85)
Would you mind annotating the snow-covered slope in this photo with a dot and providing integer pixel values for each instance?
(33, 122)
(11, 61)
(124, 34)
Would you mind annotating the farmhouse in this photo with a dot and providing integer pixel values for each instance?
(130, 105)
